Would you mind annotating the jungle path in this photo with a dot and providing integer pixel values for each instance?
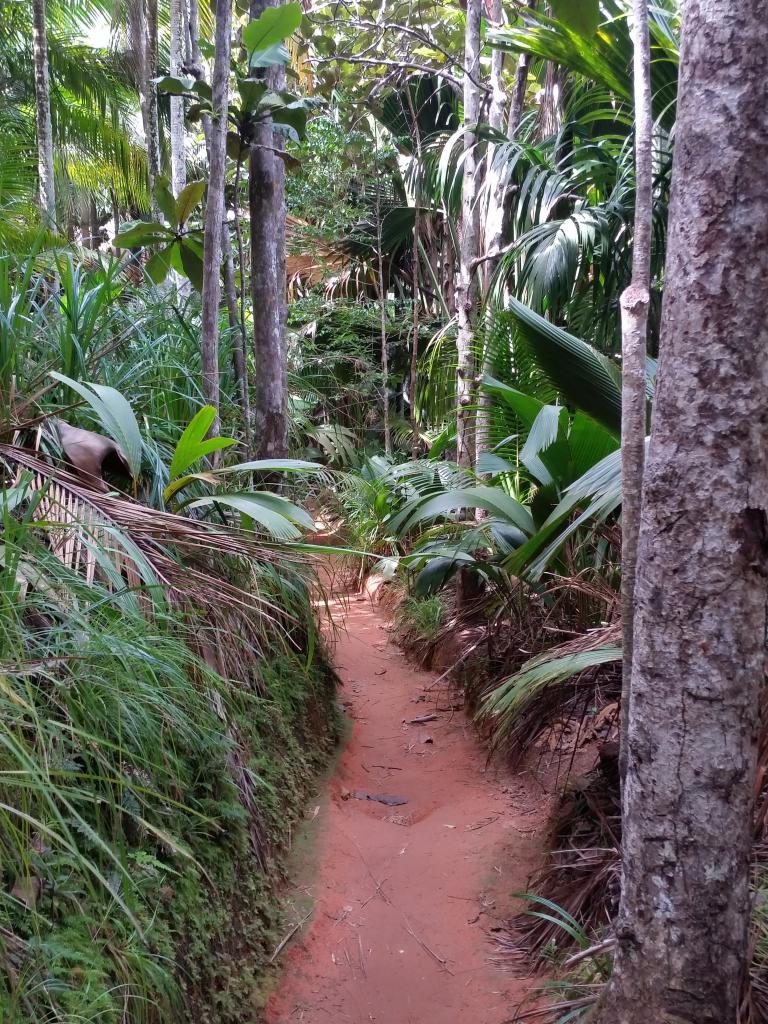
(406, 896)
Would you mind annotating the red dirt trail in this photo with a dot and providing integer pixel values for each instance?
(405, 897)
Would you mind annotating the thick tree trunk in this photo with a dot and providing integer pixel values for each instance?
(178, 150)
(466, 297)
(266, 200)
(214, 209)
(43, 111)
(635, 302)
(700, 595)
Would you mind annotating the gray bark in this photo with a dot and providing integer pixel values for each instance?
(466, 293)
(142, 33)
(214, 209)
(43, 113)
(493, 226)
(382, 289)
(635, 303)
(178, 150)
(702, 580)
(266, 199)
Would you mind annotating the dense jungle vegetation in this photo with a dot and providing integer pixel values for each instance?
(398, 278)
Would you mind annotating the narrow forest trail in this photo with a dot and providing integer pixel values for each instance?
(405, 896)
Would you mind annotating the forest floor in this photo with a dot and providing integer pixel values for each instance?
(399, 902)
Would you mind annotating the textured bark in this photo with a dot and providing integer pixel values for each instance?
(43, 113)
(635, 303)
(266, 200)
(493, 226)
(415, 288)
(142, 33)
(214, 209)
(551, 108)
(178, 150)
(239, 337)
(702, 578)
(382, 290)
(237, 313)
(466, 293)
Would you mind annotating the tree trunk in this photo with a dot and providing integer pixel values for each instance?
(178, 151)
(635, 303)
(267, 209)
(382, 290)
(466, 296)
(551, 108)
(493, 226)
(214, 208)
(142, 32)
(239, 337)
(43, 110)
(702, 580)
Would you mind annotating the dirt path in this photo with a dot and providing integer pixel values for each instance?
(406, 896)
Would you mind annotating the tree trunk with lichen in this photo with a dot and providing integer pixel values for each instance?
(702, 582)
(469, 242)
(43, 112)
(266, 200)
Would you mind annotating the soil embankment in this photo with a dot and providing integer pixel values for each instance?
(406, 895)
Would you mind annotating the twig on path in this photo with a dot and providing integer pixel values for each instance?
(389, 767)
(420, 719)
(287, 938)
(435, 956)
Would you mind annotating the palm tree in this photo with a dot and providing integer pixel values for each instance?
(43, 107)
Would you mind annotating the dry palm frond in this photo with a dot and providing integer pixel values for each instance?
(139, 542)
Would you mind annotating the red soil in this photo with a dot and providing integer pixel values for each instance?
(406, 897)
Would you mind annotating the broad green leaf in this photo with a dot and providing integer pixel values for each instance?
(175, 486)
(188, 199)
(260, 509)
(272, 466)
(492, 499)
(236, 150)
(165, 200)
(115, 415)
(269, 58)
(204, 90)
(291, 122)
(158, 266)
(251, 92)
(142, 233)
(273, 26)
(580, 16)
(192, 444)
(174, 86)
(192, 264)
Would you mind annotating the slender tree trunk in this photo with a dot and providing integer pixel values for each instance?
(551, 109)
(142, 32)
(240, 350)
(178, 150)
(43, 110)
(493, 224)
(382, 289)
(415, 285)
(700, 595)
(266, 200)
(214, 209)
(635, 303)
(466, 297)
(153, 122)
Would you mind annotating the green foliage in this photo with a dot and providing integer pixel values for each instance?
(181, 247)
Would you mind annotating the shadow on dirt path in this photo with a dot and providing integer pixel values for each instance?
(406, 894)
